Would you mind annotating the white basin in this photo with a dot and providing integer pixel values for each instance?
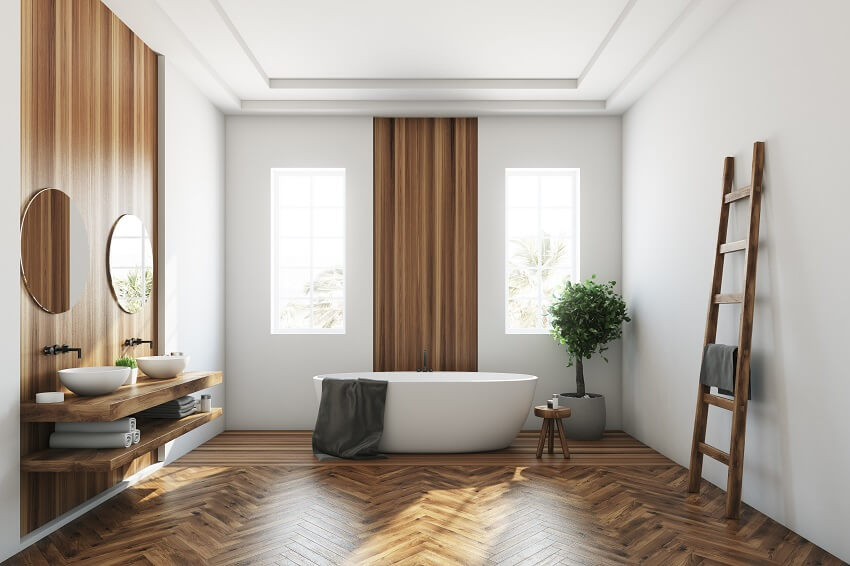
(94, 380)
(162, 367)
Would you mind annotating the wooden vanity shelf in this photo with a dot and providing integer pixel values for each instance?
(155, 433)
(125, 401)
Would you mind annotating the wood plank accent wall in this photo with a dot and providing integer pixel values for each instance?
(88, 127)
(426, 243)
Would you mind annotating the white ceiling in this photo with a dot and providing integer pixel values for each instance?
(462, 57)
(434, 39)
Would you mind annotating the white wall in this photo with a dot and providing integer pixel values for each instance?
(593, 145)
(10, 266)
(772, 71)
(191, 235)
(268, 382)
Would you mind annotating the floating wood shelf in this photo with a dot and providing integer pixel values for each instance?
(155, 433)
(125, 401)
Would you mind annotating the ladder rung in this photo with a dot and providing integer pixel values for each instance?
(715, 453)
(728, 298)
(721, 402)
(733, 246)
(738, 195)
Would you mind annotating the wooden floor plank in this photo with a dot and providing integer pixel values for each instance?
(293, 448)
(260, 497)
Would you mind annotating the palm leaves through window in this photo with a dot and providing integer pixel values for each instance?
(535, 271)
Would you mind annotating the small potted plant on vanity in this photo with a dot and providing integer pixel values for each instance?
(130, 362)
(585, 318)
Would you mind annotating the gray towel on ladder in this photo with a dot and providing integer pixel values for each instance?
(719, 362)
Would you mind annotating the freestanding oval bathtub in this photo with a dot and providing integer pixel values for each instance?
(449, 411)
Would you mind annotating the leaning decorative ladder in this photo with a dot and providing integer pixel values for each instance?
(738, 404)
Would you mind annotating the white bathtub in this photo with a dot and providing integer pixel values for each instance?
(448, 411)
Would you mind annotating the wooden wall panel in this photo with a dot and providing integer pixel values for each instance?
(426, 243)
(88, 127)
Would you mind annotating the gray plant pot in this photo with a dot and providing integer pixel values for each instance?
(587, 421)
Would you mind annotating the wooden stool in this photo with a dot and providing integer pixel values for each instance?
(551, 420)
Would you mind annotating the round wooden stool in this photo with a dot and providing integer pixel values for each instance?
(551, 420)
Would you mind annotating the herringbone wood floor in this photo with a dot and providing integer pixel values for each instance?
(243, 499)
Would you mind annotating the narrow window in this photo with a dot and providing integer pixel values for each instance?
(541, 244)
(308, 251)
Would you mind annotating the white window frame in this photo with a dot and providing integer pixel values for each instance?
(277, 172)
(576, 206)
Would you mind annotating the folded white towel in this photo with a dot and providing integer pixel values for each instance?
(91, 439)
(137, 436)
(121, 425)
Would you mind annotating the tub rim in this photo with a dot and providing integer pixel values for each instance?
(423, 377)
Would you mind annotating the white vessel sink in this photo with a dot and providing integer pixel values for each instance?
(162, 367)
(94, 380)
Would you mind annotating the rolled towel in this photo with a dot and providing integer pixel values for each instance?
(121, 425)
(137, 436)
(91, 440)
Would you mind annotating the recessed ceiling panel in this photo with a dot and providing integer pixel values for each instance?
(421, 57)
(437, 39)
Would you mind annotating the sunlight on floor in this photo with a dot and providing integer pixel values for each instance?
(443, 524)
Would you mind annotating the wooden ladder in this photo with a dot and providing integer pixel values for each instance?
(734, 459)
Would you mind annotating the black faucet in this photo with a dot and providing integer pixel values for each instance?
(137, 341)
(56, 349)
(424, 362)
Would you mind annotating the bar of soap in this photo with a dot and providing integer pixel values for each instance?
(50, 397)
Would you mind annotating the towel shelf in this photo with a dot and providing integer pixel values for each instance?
(125, 401)
(155, 433)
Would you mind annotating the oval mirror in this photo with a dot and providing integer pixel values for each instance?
(130, 263)
(54, 251)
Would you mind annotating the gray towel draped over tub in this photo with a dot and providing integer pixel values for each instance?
(719, 363)
(351, 418)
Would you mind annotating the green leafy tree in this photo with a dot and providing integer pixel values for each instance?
(586, 317)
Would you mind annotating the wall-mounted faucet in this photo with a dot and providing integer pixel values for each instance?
(424, 362)
(56, 349)
(136, 341)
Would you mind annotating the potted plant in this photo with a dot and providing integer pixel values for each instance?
(585, 318)
(130, 362)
